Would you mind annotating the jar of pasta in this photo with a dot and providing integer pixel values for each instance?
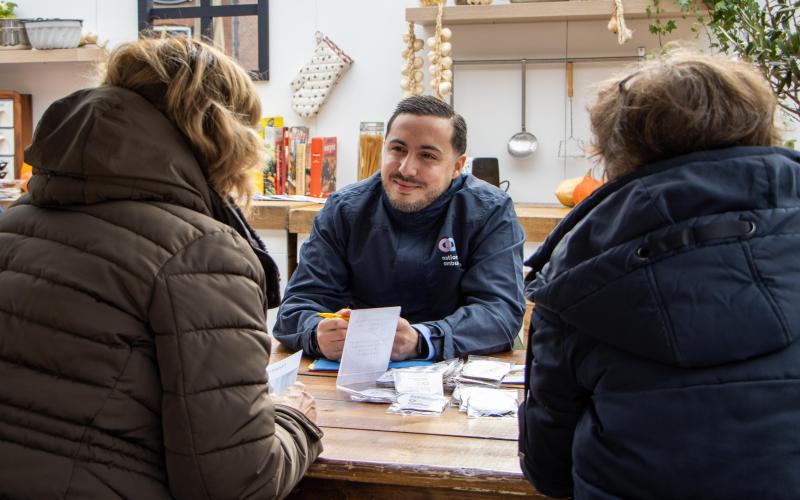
(370, 148)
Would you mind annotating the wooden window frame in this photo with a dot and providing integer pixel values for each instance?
(206, 12)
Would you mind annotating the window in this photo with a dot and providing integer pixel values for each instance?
(239, 27)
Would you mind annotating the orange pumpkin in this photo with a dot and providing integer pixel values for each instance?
(25, 174)
(585, 188)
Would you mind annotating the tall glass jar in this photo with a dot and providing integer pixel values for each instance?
(370, 148)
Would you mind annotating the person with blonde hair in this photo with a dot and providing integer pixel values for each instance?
(663, 360)
(133, 295)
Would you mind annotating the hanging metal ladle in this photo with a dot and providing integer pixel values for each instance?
(522, 143)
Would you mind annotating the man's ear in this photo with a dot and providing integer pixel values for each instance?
(459, 166)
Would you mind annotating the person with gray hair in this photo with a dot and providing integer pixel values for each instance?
(663, 357)
(445, 247)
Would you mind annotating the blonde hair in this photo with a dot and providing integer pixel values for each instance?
(210, 98)
(678, 104)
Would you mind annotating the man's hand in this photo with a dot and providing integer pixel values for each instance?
(298, 398)
(405, 341)
(330, 335)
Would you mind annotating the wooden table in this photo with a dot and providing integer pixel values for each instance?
(539, 220)
(275, 215)
(371, 454)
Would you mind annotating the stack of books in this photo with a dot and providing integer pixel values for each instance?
(297, 164)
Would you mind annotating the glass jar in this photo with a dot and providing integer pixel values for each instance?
(370, 148)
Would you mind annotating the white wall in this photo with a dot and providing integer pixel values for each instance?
(114, 20)
(488, 96)
(371, 32)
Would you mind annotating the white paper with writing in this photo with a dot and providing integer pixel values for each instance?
(283, 373)
(367, 347)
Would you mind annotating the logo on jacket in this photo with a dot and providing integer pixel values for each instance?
(448, 246)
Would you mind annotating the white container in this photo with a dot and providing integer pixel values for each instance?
(12, 34)
(54, 33)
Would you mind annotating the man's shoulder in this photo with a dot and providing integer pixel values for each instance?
(354, 196)
(480, 196)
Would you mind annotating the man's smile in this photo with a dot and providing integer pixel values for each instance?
(405, 186)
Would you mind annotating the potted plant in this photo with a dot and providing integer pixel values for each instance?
(7, 9)
(765, 32)
(12, 30)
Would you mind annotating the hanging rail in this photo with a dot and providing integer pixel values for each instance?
(541, 60)
(545, 60)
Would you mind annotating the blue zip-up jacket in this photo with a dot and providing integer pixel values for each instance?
(664, 359)
(454, 267)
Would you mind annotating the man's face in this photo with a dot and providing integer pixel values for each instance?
(418, 161)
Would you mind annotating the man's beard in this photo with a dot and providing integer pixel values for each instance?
(410, 206)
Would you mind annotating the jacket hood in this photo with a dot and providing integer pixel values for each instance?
(109, 143)
(690, 262)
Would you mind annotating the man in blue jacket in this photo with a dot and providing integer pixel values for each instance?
(445, 247)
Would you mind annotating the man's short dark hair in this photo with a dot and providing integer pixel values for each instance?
(427, 105)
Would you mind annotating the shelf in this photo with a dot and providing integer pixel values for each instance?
(574, 10)
(52, 55)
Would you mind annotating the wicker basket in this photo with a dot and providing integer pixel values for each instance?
(54, 33)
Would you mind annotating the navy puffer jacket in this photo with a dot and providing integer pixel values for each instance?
(663, 360)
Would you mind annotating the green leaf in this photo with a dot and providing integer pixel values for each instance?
(795, 69)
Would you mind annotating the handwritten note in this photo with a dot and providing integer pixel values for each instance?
(367, 347)
(283, 373)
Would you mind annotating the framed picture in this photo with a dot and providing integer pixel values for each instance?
(238, 27)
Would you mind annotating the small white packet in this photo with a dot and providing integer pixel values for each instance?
(375, 395)
(406, 382)
(462, 393)
(418, 404)
(492, 403)
(447, 368)
(516, 376)
(486, 369)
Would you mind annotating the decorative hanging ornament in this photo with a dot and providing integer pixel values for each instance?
(440, 57)
(411, 83)
(617, 24)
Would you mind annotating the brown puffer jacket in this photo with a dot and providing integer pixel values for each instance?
(132, 324)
